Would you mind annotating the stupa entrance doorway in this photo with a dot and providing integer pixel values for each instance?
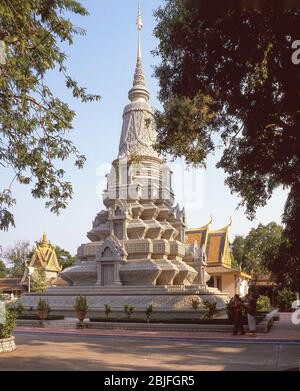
(107, 274)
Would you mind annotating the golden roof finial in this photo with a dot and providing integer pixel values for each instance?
(44, 242)
(211, 219)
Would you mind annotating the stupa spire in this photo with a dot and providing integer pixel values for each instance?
(139, 90)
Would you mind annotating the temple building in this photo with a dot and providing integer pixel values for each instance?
(43, 259)
(215, 245)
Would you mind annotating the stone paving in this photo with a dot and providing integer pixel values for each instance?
(67, 349)
(80, 353)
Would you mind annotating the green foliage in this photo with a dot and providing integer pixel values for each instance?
(128, 309)
(149, 312)
(65, 259)
(255, 251)
(238, 251)
(107, 310)
(43, 306)
(19, 309)
(10, 324)
(210, 309)
(81, 303)
(3, 269)
(285, 299)
(196, 304)
(285, 267)
(263, 304)
(33, 121)
(227, 79)
(38, 282)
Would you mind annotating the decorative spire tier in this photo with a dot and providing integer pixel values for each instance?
(138, 130)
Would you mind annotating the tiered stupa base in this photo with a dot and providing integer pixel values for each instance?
(173, 302)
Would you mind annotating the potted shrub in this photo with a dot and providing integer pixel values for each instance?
(210, 310)
(7, 341)
(128, 309)
(263, 304)
(81, 307)
(196, 305)
(43, 309)
(107, 310)
(149, 312)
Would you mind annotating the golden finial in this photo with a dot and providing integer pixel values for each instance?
(44, 242)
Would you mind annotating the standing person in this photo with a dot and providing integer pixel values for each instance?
(251, 309)
(237, 310)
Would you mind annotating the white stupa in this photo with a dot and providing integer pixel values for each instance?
(137, 254)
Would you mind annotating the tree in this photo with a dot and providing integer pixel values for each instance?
(18, 257)
(3, 269)
(237, 251)
(255, 250)
(227, 78)
(65, 259)
(33, 121)
(285, 265)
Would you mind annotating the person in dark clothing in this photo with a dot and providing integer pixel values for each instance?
(251, 309)
(237, 310)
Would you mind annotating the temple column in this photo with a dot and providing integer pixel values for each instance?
(117, 274)
(98, 273)
(215, 282)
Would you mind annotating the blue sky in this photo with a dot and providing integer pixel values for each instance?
(104, 62)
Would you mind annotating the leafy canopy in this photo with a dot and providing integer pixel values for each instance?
(65, 259)
(3, 269)
(33, 121)
(254, 251)
(227, 78)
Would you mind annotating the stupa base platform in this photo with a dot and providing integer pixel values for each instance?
(168, 302)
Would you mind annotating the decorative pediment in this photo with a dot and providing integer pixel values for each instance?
(119, 209)
(101, 218)
(111, 249)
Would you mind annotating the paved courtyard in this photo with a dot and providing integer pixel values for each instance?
(70, 352)
(68, 349)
